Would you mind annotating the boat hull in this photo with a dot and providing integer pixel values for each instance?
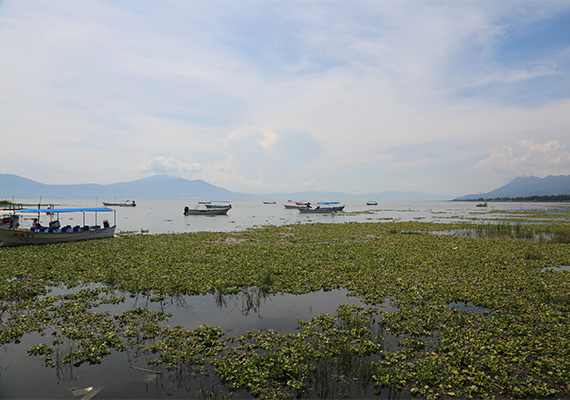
(207, 211)
(295, 205)
(322, 210)
(17, 237)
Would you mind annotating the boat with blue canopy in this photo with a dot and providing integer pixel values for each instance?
(55, 232)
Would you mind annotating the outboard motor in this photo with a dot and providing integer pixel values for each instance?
(105, 223)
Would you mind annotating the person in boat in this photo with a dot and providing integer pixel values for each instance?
(186, 210)
(36, 224)
(54, 224)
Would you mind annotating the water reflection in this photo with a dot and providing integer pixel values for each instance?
(126, 374)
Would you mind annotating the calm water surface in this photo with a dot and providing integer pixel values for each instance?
(165, 216)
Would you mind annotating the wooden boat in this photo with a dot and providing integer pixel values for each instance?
(297, 204)
(207, 211)
(371, 203)
(55, 233)
(125, 203)
(269, 202)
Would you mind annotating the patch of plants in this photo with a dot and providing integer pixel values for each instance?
(518, 347)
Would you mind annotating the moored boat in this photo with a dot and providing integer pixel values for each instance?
(207, 211)
(124, 203)
(219, 204)
(56, 233)
(317, 210)
(371, 203)
(297, 204)
(323, 208)
(8, 219)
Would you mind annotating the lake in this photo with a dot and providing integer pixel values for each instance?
(25, 376)
(166, 216)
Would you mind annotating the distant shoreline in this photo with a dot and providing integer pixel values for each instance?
(538, 199)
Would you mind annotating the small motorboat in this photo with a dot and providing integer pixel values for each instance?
(124, 203)
(219, 204)
(206, 211)
(323, 208)
(297, 204)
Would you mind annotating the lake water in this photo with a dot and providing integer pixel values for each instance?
(166, 216)
(24, 376)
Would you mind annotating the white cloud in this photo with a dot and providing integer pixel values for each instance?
(168, 165)
(528, 158)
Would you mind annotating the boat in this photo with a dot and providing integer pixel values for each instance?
(219, 204)
(55, 233)
(297, 204)
(124, 203)
(269, 202)
(207, 211)
(323, 208)
(371, 203)
(317, 210)
(9, 219)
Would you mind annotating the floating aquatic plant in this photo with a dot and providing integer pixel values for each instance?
(517, 346)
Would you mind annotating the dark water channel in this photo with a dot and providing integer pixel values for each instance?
(126, 374)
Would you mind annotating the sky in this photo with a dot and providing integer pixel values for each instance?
(443, 97)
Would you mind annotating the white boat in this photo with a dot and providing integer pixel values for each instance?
(124, 203)
(297, 204)
(56, 233)
(207, 211)
(218, 204)
(323, 208)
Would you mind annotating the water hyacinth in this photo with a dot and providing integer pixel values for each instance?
(447, 315)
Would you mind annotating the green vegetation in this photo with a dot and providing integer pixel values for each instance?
(513, 341)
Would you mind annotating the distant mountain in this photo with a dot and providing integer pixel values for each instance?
(169, 187)
(154, 187)
(525, 187)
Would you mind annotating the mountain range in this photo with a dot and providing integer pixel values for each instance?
(170, 187)
(526, 187)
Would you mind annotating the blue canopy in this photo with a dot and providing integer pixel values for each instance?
(328, 202)
(63, 210)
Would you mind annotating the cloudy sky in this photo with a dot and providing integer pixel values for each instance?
(445, 97)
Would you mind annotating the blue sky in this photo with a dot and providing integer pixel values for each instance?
(445, 97)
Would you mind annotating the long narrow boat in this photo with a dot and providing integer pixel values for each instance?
(207, 211)
(57, 233)
(125, 203)
(317, 210)
(218, 204)
(297, 204)
(323, 207)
